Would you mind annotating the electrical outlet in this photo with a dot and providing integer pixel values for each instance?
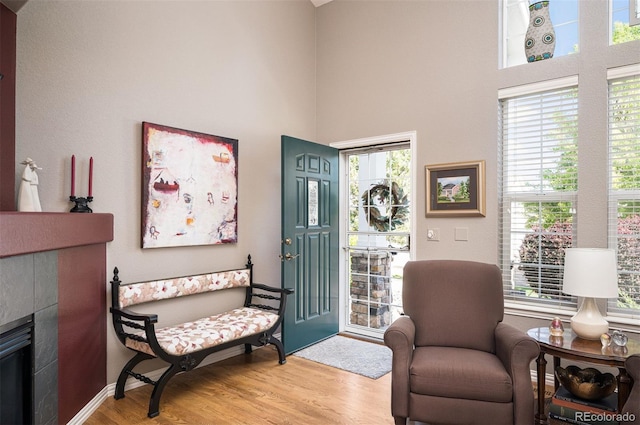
(433, 234)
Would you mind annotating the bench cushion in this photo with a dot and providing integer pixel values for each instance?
(142, 292)
(209, 331)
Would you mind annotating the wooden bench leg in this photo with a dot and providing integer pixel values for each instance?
(124, 374)
(154, 403)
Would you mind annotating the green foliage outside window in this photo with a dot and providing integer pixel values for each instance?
(623, 33)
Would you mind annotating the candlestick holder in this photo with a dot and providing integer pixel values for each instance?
(81, 204)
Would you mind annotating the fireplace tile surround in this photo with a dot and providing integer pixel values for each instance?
(29, 285)
(53, 265)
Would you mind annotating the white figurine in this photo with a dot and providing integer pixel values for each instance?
(28, 199)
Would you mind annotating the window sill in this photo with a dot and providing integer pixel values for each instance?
(535, 312)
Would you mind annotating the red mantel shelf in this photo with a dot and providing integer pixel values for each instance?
(28, 232)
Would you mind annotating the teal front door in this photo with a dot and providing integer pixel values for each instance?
(309, 242)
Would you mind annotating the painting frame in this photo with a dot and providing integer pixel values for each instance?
(443, 199)
(189, 188)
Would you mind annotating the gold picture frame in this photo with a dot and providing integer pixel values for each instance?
(455, 189)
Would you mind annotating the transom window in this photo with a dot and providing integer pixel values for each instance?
(564, 14)
(625, 21)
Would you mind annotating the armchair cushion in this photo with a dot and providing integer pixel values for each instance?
(459, 373)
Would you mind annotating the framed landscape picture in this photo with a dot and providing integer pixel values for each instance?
(189, 188)
(455, 189)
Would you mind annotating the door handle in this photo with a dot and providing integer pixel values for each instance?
(288, 256)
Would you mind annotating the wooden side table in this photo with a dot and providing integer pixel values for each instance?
(571, 347)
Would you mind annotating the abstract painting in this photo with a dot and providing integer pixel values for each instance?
(189, 188)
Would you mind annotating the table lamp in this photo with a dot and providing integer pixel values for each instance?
(590, 273)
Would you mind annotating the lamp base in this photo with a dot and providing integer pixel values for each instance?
(588, 323)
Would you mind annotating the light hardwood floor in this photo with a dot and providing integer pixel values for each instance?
(255, 389)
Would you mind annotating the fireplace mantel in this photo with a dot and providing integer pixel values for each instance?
(29, 232)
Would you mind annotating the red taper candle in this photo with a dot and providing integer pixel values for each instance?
(73, 175)
(90, 176)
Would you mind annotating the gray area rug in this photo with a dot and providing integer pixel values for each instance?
(353, 355)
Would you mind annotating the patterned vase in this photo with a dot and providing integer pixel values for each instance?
(540, 40)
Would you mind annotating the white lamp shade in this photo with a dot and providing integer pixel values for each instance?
(590, 272)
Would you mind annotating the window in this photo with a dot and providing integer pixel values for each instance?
(625, 20)
(538, 187)
(563, 14)
(624, 186)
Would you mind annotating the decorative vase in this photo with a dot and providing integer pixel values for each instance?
(540, 40)
(556, 328)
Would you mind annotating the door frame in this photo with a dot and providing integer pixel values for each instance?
(408, 136)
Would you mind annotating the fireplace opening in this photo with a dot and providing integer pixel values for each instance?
(16, 372)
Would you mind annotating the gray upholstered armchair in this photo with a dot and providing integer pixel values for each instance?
(632, 406)
(454, 361)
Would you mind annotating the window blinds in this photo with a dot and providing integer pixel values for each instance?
(538, 186)
(624, 186)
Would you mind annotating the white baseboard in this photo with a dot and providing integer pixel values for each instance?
(110, 389)
(90, 407)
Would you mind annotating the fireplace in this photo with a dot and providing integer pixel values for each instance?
(53, 266)
(16, 372)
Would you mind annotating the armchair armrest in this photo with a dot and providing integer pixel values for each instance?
(633, 367)
(400, 337)
(517, 350)
(631, 409)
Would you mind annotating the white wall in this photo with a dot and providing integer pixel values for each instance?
(88, 74)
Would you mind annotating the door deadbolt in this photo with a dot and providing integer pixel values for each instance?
(286, 241)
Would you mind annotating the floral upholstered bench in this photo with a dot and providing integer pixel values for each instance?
(186, 345)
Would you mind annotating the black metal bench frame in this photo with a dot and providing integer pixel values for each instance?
(125, 318)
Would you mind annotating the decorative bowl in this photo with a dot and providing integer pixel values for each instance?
(588, 383)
